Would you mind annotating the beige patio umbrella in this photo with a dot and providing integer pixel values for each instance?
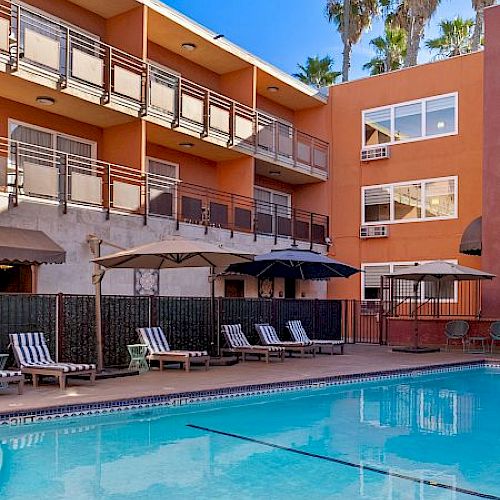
(174, 253)
(438, 272)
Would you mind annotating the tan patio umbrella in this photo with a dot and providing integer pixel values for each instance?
(435, 272)
(174, 253)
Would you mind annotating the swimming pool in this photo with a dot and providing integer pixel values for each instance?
(432, 436)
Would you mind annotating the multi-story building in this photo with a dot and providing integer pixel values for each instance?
(127, 121)
(406, 168)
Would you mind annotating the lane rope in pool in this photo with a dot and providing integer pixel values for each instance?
(370, 468)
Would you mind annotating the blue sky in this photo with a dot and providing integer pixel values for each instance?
(286, 32)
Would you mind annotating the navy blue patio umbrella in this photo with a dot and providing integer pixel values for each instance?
(294, 263)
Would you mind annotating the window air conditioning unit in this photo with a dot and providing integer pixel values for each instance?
(373, 232)
(378, 153)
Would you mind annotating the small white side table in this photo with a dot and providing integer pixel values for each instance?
(138, 357)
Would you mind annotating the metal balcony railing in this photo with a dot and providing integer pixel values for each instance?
(28, 170)
(74, 58)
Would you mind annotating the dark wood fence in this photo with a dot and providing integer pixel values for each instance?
(189, 322)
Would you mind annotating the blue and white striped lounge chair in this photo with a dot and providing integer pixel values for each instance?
(12, 377)
(269, 337)
(33, 357)
(160, 351)
(237, 343)
(298, 333)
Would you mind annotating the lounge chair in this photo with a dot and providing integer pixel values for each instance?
(298, 333)
(33, 357)
(160, 351)
(12, 377)
(269, 337)
(456, 330)
(238, 344)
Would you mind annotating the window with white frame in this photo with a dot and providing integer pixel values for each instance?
(412, 201)
(371, 283)
(273, 211)
(162, 187)
(405, 122)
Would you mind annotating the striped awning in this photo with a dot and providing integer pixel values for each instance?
(25, 246)
(471, 243)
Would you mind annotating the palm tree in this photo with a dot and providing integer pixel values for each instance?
(352, 18)
(455, 39)
(318, 72)
(390, 51)
(479, 6)
(412, 16)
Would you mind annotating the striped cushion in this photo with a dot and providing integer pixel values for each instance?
(267, 334)
(9, 373)
(155, 339)
(32, 352)
(191, 354)
(297, 331)
(157, 343)
(234, 336)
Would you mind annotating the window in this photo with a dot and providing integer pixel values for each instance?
(273, 212)
(162, 187)
(404, 201)
(371, 280)
(410, 121)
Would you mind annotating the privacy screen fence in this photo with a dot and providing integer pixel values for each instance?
(189, 322)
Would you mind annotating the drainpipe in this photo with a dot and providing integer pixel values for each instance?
(95, 248)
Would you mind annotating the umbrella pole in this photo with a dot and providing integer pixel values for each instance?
(215, 333)
(415, 335)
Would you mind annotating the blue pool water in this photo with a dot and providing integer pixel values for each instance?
(434, 436)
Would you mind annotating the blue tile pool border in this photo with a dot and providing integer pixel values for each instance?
(29, 416)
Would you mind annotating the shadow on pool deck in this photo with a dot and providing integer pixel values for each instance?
(358, 359)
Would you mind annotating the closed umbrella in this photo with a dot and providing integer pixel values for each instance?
(294, 263)
(434, 272)
(174, 253)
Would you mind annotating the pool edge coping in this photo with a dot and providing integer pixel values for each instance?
(106, 406)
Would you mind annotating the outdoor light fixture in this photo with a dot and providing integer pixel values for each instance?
(187, 145)
(45, 100)
(272, 88)
(274, 172)
(189, 46)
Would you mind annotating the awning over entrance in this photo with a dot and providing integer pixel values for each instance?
(471, 243)
(25, 246)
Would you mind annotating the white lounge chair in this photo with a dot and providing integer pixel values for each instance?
(8, 377)
(269, 337)
(237, 343)
(298, 333)
(33, 357)
(160, 351)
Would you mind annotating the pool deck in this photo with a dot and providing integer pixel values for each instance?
(358, 359)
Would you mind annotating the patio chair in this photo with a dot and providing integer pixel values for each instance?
(269, 337)
(160, 351)
(298, 333)
(8, 377)
(33, 357)
(494, 333)
(456, 330)
(237, 343)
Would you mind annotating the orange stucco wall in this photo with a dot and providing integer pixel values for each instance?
(240, 85)
(275, 109)
(125, 144)
(127, 31)
(236, 176)
(192, 169)
(455, 155)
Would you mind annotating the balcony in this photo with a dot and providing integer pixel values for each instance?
(76, 62)
(30, 171)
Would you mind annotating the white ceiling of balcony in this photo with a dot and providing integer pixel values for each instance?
(286, 174)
